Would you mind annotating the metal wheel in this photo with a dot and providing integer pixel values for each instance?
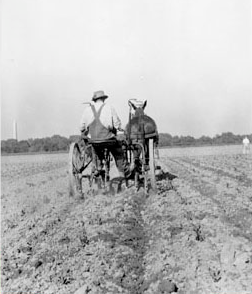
(152, 164)
(75, 163)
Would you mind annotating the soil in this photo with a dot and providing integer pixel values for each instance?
(192, 236)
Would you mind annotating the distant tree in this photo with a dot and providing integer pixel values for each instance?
(187, 141)
(165, 140)
(59, 143)
(5, 147)
(74, 138)
(217, 140)
(11, 146)
(176, 141)
(23, 146)
(36, 145)
(225, 138)
(204, 140)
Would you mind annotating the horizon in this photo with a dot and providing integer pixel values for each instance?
(176, 135)
(191, 61)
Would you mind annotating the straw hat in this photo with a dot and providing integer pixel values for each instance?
(99, 95)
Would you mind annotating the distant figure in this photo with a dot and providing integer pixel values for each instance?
(246, 146)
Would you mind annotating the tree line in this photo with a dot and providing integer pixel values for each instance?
(167, 140)
(49, 144)
(59, 143)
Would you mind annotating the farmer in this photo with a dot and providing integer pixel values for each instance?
(246, 144)
(100, 123)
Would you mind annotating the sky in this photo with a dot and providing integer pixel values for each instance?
(190, 59)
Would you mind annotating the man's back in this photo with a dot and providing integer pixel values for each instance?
(99, 117)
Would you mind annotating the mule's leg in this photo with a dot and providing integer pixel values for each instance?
(147, 155)
(136, 180)
(137, 165)
(152, 165)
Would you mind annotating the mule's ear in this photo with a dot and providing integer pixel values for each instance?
(145, 103)
(132, 105)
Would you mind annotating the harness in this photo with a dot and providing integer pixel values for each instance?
(97, 130)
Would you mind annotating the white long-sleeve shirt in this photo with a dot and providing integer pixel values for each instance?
(246, 141)
(108, 117)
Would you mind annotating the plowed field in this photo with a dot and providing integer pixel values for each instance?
(193, 236)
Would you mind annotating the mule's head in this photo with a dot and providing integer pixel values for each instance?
(139, 110)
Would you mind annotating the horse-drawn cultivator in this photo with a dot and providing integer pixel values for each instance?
(139, 143)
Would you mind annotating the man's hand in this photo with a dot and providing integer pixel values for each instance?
(84, 136)
(112, 130)
(84, 133)
(120, 132)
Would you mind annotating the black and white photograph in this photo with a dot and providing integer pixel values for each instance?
(126, 156)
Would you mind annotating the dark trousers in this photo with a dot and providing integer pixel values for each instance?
(116, 150)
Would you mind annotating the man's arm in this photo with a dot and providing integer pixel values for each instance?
(83, 124)
(86, 119)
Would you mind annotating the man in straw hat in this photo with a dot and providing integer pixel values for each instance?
(100, 122)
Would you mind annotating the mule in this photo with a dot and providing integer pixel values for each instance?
(139, 130)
